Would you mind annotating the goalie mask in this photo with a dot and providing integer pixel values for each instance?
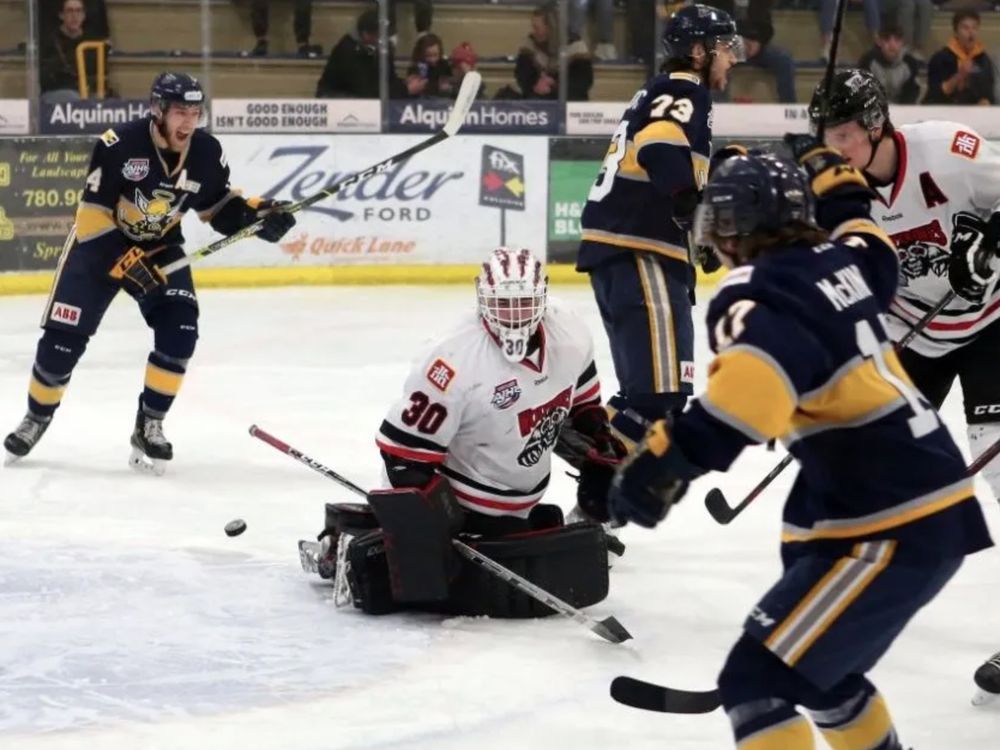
(511, 290)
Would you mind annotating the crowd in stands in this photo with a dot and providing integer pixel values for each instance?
(962, 72)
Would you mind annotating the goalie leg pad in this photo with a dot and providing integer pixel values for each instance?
(417, 525)
(570, 562)
(368, 574)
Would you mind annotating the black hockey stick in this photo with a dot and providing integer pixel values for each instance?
(724, 513)
(609, 628)
(463, 103)
(652, 697)
(831, 65)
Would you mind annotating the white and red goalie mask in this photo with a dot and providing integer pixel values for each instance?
(511, 290)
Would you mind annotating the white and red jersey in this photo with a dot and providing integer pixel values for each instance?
(489, 424)
(944, 169)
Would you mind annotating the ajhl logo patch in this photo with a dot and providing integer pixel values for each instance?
(136, 170)
(505, 394)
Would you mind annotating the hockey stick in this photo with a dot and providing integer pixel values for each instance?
(831, 65)
(715, 500)
(463, 103)
(609, 628)
(652, 697)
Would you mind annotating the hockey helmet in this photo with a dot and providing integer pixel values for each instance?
(855, 96)
(175, 88)
(700, 24)
(511, 289)
(753, 193)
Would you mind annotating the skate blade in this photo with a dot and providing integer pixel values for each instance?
(146, 465)
(11, 458)
(309, 555)
(982, 698)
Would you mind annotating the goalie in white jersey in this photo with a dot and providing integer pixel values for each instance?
(472, 435)
(939, 189)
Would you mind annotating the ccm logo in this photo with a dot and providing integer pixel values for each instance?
(759, 615)
(988, 409)
(66, 314)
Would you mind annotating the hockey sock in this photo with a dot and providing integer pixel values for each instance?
(770, 724)
(861, 723)
(56, 356)
(164, 375)
(981, 437)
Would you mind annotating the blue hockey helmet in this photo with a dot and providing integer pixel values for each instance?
(700, 24)
(753, 194)
(175, 88)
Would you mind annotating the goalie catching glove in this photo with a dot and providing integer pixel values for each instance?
(651, 480)
(137, 273)
(589, 446)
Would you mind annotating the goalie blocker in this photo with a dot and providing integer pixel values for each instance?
(396, 554)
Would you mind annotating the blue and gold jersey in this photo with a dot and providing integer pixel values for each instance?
(802, 355)
(661, 147)
(137, 193)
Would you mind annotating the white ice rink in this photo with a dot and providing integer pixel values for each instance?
(129, 620)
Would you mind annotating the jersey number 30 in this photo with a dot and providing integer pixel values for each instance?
(423, 413)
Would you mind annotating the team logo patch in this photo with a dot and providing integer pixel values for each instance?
(505, 394)
(965, 144)
(687, 372)
(440, 374)
(541, 426)
(64, 313)
(136, 170)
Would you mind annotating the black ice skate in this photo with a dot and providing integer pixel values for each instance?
(20, 442)
(987, 679)
(150, 449)
(328, 555)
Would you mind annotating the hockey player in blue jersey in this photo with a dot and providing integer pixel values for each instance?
(881, 514)
(636, 220)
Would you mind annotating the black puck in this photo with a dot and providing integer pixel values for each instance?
(236, 527)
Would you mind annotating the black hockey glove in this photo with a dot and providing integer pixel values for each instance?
(705, 256)
(684, 204)
(137, 273)
(970, 268)
(828, 170)
(588, 444)
(651, 480)
(277, 221)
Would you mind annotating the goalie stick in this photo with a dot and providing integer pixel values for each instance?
(463, 103)
(609, 628)
(724, 513)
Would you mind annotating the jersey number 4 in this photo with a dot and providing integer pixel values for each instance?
(424, 414)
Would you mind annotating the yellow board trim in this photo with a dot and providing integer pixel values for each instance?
(209, 278)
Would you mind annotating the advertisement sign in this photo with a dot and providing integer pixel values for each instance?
(422, 211)
(430, 115)
(14, 117)
(501, 182)
(41, 180)
(89, 116)
(296, 115)
(573, 165)
(593, 118)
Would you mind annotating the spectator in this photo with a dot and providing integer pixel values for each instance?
(605, 18)
(464, 59)
(894, 67)
(57, 58)
(828, 14)
(423, 14)
(260, 17)
(429, 73)
(537, 66)
(352, 71)
(95, 28)
(914, 17)
(961, 72)
(753, 19)
(640, 16)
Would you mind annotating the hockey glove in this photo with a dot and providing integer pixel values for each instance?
(684, 204)
(589, 445)
(704, 256)
(277, 221)
(651, 480)
(970, 268)
(828, 170)
(137, 274)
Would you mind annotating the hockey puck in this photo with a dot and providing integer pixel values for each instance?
(236, 527)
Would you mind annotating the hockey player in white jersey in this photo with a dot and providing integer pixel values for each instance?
(472, 436)
(939, 189)
(939, 185)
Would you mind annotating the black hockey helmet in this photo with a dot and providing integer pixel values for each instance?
(175, 88)
(855, 96)
(699, 24)
(754, 193)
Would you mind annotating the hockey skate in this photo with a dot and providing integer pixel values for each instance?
(987, 679)
(19, 443)
(150, 449)
(327, 556)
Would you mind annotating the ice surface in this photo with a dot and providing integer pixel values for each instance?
(129, 620)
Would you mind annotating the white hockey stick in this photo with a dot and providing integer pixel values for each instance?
(463, 103)
(609, 628)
